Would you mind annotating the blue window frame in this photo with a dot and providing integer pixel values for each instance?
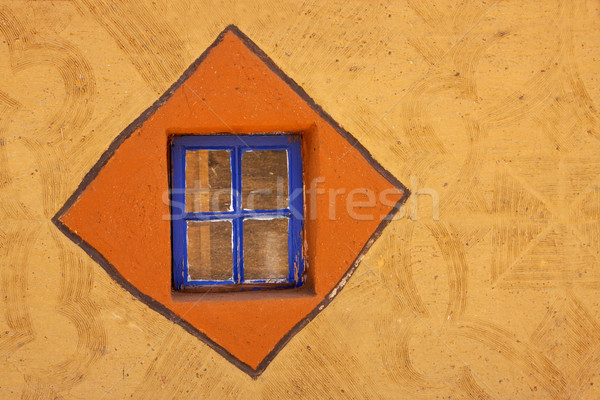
(181, 216)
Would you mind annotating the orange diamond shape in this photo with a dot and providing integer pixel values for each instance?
(118, 213)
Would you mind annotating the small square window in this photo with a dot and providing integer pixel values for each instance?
(237, 212)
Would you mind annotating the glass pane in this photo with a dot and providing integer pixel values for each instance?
(266, 249)
(207, 180)
(265, 180)
(209, 250)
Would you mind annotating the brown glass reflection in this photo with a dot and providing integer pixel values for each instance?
(266, 248)
(207, 180)
(210, 250)
(264, 180)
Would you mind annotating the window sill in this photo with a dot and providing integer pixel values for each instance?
(206, 295)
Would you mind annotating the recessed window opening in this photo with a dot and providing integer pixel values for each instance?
(237, 212)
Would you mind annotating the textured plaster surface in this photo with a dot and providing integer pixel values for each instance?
(493, 106)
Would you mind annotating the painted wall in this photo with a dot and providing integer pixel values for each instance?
(490, 108)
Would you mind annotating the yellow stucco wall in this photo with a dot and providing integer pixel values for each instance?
(490, 106)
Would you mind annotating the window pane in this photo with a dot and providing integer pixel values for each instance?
(207, 180)
(265, 180)
(266, 249)
(209, 250)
